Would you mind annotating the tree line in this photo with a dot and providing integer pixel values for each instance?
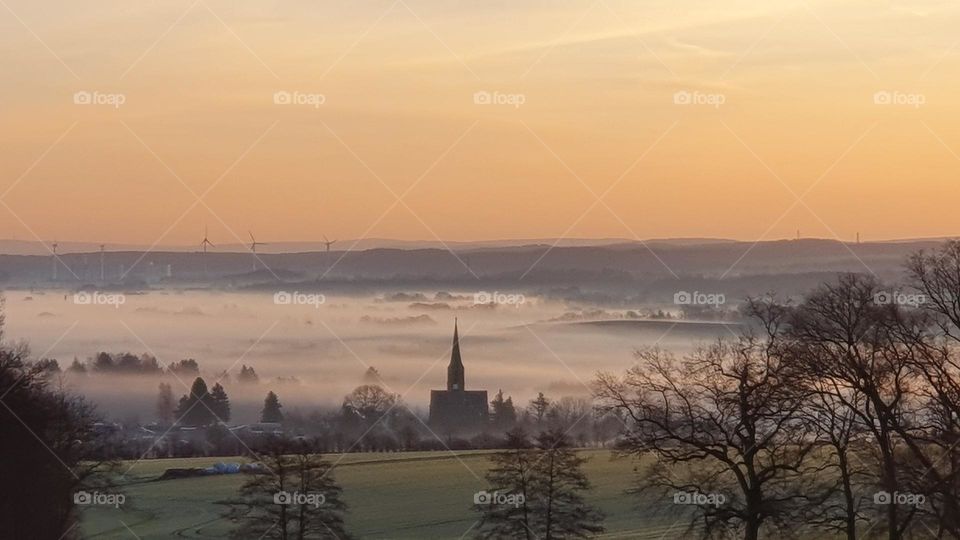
(204, 406)
(126, 363)
(834, 414)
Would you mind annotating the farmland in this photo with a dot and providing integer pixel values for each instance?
(409, 495)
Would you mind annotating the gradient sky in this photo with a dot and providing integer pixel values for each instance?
(798, 143)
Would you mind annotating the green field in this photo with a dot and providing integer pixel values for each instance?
(407, 495)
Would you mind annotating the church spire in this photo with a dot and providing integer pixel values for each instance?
(455, 369)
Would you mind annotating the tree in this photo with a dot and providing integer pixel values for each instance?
(840, 334)
(149, 365)
(559, 482)
(220, 403)
(165, 405)
(369, 402)
(504, 416)
(127, 363)
(510, 473)
(834, 498)
(49, 366)
(51, 450)
(936, 276)
(103, 362)
(371, 419)
(77, 367)
(297, 497)
(539, 407)
(271, 409)
(194, 408)
(185, 368)
(537, 491)
(570, 415)
(724, 425)
(247, 375)
(122, 363)
(829, 412)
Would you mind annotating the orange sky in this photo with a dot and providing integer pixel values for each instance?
(784, 129)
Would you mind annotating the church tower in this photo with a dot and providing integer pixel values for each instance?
(455, 369)
(456, 410)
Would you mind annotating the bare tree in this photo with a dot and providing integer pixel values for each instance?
(833, 500)
(725, 425)
(838, 428)
(841, 335)
(369, 402)
(571, 415)
(936, 277)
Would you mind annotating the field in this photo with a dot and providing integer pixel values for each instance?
(411, 495)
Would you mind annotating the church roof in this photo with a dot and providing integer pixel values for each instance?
(455, 359)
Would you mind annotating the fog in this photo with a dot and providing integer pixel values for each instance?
(327, 346)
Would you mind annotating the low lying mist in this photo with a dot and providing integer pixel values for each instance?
(313, 351)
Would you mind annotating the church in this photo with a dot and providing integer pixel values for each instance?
(457, 410)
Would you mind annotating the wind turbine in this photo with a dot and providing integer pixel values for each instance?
(328, 242)
(203, 245)
(253, 248)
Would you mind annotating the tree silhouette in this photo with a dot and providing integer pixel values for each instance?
(271, 409)
(247, 375)
(539, 407)
(504, 416)
(194, 408)
(511, 473)
(724, 423)
(558, 482)
(537, 491)
(297, 497)
(51, 451)
(369, 402)
(165, 405)
(184, 368)
(220, 403)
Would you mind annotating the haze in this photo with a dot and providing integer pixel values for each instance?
(328, 348)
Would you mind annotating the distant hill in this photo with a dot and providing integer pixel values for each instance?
(615, 266)
(30, 247)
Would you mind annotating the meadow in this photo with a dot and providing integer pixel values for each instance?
(391, 495)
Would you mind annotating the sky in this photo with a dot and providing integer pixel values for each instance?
(144, 122)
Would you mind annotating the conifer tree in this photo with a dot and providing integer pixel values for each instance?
(296, 497)
(536, 491)
(509, 474)
(220, 403)
(271, 409)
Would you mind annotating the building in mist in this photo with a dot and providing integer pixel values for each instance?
(456, 409)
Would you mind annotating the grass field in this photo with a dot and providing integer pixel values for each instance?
(420, 495)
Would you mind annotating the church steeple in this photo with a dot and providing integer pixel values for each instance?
(455, 369)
